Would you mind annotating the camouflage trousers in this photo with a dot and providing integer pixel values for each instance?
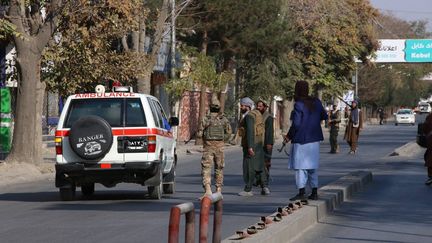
(213, 154)
(333, 139)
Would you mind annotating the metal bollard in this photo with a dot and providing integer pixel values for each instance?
(174, 224)
(216, 199)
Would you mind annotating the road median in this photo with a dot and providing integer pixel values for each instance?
(300, 220)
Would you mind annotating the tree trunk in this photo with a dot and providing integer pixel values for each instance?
(177, 114)
(27, 137)
(144, 82)
(202, 109)
(287, 108)
(222, 99)
(203, 94)
(135, 41)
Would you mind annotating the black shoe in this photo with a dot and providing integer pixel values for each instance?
(300, 196)
(428, 181)
(314, 194)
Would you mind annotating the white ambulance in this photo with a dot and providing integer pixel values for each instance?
(109, 138)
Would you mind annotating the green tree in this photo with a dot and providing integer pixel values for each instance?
(247, 33)
(87, 48)
(32, 31)
(329, 35)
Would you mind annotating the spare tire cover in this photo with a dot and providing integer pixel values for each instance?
(91, 137)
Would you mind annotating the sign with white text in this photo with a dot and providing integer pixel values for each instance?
(402, 51)
(418, 50)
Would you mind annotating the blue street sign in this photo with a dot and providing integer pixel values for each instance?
(418, 50)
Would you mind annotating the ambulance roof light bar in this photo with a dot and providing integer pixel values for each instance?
(127, 89)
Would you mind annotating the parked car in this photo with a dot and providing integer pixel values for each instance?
(404, 116)
(424, 107)
(116, 137)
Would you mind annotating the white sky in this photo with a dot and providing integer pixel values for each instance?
(406, 9)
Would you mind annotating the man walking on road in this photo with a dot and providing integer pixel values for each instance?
(354, 125)
(215, 130)
(305, 135)
(381, 115)
(268, 143)
(252, 132)
(334, 121)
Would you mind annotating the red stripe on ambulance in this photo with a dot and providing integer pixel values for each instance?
(126, 132)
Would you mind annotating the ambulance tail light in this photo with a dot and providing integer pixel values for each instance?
(151, 147)
(58, 145)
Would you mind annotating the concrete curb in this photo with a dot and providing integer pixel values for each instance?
(293, 225)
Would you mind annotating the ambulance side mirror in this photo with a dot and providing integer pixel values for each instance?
(173, 121)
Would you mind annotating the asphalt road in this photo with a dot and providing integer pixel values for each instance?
(32, 212)
(394, 208)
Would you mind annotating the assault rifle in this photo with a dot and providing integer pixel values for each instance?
(284, 142)
(283, 146)
(346, 103)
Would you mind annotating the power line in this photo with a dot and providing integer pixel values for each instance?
(383, 28)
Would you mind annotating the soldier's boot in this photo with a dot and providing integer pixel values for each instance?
(219, 189)
(300, 195)
(314, 194)
(208, 190)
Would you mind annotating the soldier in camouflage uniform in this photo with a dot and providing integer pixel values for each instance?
(215, 130)
(334, 121)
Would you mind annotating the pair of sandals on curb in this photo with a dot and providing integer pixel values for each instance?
(281, 211)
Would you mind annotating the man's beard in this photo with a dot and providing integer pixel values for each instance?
(243, 110)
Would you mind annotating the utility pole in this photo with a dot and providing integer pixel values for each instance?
(173, 39)
(356, 83)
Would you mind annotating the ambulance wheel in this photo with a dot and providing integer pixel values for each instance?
(155, 192)
(88, 189)
(169, 187)
(67, 193)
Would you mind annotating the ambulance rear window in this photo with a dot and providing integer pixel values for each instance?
(135, 114)
(112, 110)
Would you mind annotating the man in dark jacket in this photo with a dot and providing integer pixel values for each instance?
(427, 130)
(381, 115)
(268, 144)
(305, 135)
(333, 121)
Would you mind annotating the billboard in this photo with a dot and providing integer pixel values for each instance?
(403, 51)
